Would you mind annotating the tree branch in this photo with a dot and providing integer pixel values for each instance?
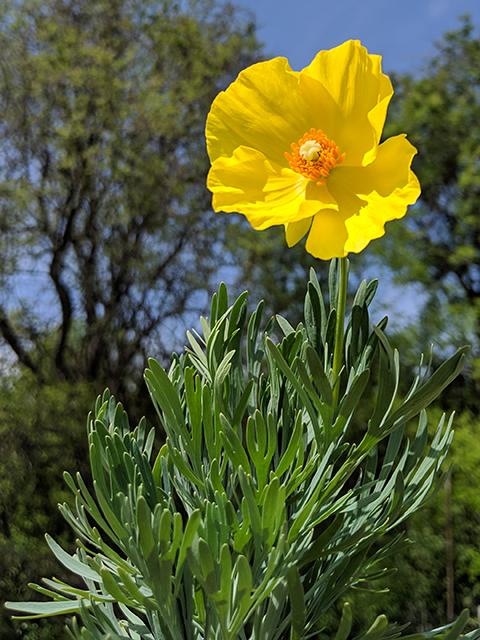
(55, 271)
(10, 336)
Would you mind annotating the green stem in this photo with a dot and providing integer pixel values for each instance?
(339, 329)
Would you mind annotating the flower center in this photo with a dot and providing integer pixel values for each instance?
(314, 156)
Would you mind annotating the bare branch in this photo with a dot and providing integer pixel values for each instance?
(11, 337)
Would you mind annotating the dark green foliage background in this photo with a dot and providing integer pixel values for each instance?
(42, 432)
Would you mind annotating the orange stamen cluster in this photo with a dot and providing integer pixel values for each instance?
(324, 156)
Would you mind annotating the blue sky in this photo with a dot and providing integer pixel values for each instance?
(402, 31)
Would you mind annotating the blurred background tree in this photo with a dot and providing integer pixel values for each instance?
(438, 245)
(436, 249)
(103, 210)
(42, 432)
(107, 240)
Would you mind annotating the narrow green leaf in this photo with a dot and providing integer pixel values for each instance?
(222, 305)
(157, 467)
(284, 325)
(298, 609)
(188, 536)
(292, 448)
(345, 625)
(456, 631)
(45, 609)
(147, 541)
(165, 398)
(434, 386)
(377, 629)
(134, 591)
(71, 562)
(56, 595)
(243, 591)
(114, 589)
(319, 376)
(220, 376)
(242, 404)
(180, 460)
(205, 558)
(225, 575)
(351, 399)
(329, 337)
(318, 546)
(249, 494)
(213, 309)
(272, 507)
(388, 379)
(193, 395)
(285, 369)
(315, 316)
(332, 282)
(238, 313)
(233, 446)
(165, 530)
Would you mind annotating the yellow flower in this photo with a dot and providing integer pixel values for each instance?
(302, 149)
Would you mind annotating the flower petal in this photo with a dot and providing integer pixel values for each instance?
(327, 236)
(367, 197)
(262, 109)
(264, 192)
(349, 95)
(295, 231)
(393, 188)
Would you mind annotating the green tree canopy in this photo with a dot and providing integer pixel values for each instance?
(438, 244)
(106, 230)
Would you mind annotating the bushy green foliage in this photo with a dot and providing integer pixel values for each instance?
(264, 507)
(438, 246)
(465, 509)
(41, 434)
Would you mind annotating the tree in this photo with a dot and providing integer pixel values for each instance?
(106, 230)
(106, 233)
(439, 247)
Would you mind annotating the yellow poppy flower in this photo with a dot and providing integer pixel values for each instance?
(302, 149)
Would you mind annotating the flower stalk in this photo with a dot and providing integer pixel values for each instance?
(342, 275)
